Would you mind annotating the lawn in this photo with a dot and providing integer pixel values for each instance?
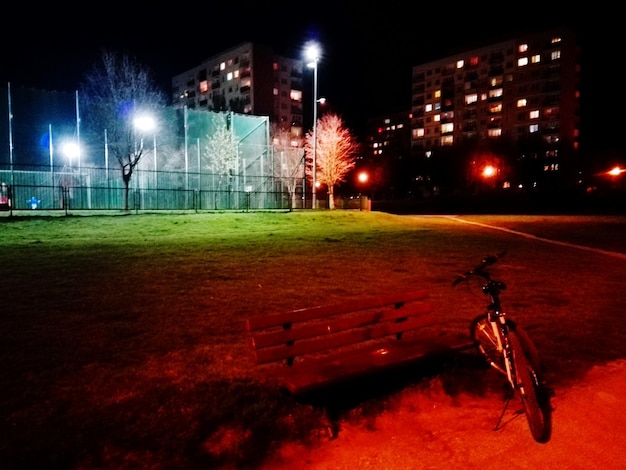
(122, 336)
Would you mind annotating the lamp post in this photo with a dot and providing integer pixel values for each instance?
(312, 54)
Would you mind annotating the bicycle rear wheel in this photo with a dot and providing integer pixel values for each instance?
(486, 341)
(482, 333)
(531, 391)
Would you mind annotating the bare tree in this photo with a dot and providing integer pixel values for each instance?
(118, 91)
(288, 159)
(335, 153)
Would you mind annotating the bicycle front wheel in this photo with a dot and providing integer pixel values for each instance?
(531, 391)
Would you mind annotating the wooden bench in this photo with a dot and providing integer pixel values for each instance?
(307, 349)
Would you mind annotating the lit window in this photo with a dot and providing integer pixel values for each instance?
(275, 91)
(418, 132)
(460, 64)
(495, 81)
(535, 59)
(555, 40)
(522, 102)
(469, 99)
(534, 114)
(437, 106)
(555, 55)
(533, 128)
(437, 118)
(204, 86)
(275, 66)
(447, 140)
(497, 93)
(247, 82)
(522, 61)
(236, 73)
(223, 66)
(522, 48)
(437, 94)
(474, 61)
(295, 95)
(429, 108)
(483, 96)
(494, 132)
(446, 128)
(229, 76)
(495, 108)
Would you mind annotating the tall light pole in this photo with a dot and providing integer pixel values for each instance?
(313, 55)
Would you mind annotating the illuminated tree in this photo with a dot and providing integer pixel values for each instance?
(335, 154)
(220, 151)
(117, 91)
(288, 159)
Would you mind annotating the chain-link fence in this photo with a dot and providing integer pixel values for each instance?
(177, 169)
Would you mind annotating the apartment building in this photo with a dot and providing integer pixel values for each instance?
(387, 155)
(247, 79)
(512, 107)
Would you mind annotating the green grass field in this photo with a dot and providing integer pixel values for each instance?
(123, 342)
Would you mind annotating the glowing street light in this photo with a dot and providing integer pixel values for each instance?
(312, 54)
(146, 123)
(70, 150)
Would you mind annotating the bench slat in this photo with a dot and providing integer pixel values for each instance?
(278, 319)
(345, 338)
(314, 374)
(263, 340)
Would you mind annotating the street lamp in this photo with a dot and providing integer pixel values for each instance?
(313, 54)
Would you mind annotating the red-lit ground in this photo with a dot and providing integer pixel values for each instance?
(430, 431)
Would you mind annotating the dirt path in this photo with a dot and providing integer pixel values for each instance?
(432, 431)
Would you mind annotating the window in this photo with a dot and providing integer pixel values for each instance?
(460, 64)
(533, 128)
(418, 132)
(275, 91)
(522, 102)
(446, 128)
(447, 140)
(204, 86)
(534, 114)
(535, 59)
(295, 95)
(522, 48)
(437, 118)
(229, 76)
(223, 66)
(429, 108)
(437, 94)
(494, 132)
(555, 55)
(469, 99)
(522, 61)
(497, 93)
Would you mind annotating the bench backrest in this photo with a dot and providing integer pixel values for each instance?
(289, 335)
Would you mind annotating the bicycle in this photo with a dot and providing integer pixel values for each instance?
(508, 349)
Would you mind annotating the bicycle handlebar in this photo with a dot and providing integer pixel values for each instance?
(480, 269)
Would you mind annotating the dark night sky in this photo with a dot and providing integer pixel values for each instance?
(367, 57)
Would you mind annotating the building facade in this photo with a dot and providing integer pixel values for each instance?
(387, 155)
(247, 79)
(512, 107)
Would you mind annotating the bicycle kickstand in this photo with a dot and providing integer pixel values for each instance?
(506, 405)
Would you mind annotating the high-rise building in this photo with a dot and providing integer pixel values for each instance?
(247, 79)
(386, 155)
(512, 107)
